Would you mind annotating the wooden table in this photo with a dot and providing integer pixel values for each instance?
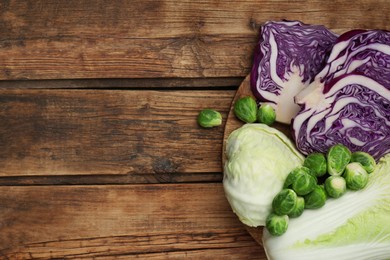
(101, 156)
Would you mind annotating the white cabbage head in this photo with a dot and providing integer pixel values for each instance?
(258, 160)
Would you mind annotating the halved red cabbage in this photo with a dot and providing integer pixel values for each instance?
(349, 100)
(286, 59)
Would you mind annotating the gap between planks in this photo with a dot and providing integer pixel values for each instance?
(170, 178)
(227, 83)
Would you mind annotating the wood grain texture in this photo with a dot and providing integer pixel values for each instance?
(160, 221)
(150, 135)
(149, 39)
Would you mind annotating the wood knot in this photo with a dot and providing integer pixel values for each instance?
(164, 169)
(254, 25)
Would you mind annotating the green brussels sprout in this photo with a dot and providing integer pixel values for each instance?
(276, 225)
(355, 176)
(284, 202)
(209, 118)
(315, 199)
(338, 157)
(293, 174)
(316, 162)
(289, 180)
(245, 109)
(335, 186)
(298, 209)
(266, 114)
(366, 160)
(304, 182)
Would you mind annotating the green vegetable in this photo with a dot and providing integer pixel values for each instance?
(289, 180)
(355, 176)
(293, 174)
(284, 202)
(303, 182)
(277, 225)
(366, 160)
(258, 160)
(266, 114)
(335, 186)
(338, 157)
(298, 209)
(354, 226)
(316, 162)
(209, 118)
(315, 199)
(245, 109)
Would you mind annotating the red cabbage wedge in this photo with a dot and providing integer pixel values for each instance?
(288, 56)
(349, 100)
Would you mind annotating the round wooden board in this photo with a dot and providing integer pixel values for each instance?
(232, 123)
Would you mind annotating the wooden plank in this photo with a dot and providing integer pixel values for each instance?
(126, 220)
(252, 252)
(150, 135)
(148, 39)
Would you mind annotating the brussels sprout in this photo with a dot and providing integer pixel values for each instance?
(298, 209)
(315, 199)
(266, 114)
(355, 176)
(366, 160)
(316, 162)
(276, 225)
(304, 182)
(335, 186)
(209, 118)
(245, 109)
(293, 174)
(284, 202)
(338, 157)
(290, 179)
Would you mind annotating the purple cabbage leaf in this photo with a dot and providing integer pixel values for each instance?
(349, 100)
(286, 59)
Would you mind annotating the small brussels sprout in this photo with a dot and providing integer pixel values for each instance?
(338, 157)
(316, 162)
(355, 176)
(276, 225)
(266, 114)
(245, 109)
(293, 174)
(304, 182)
(209, 118)
(335, 186)
(298, 209)
(366, 160)
(284, 202)
(315, 199)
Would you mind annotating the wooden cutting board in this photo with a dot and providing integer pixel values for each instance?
(232, 123)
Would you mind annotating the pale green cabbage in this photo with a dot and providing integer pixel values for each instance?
(258, 160)
(354, 226)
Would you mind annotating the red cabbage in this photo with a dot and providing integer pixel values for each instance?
(349, 100)
(286, 59)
